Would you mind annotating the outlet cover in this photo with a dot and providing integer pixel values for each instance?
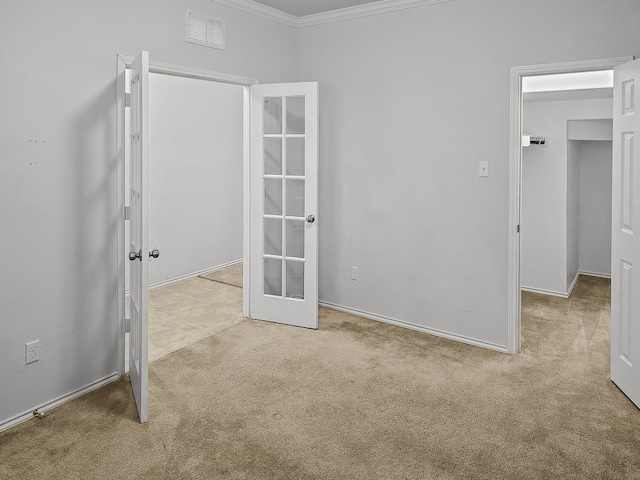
(32, 352)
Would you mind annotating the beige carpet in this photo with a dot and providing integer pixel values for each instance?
(231, 275)
(187, 312)
(356, 399)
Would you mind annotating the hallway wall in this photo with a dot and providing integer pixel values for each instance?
(195, 176)
(549, 255)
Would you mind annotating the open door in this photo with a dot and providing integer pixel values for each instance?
(139, 231)
(625, 246)
(284, 203)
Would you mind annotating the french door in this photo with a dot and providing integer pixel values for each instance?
(139, 231)
(284, 203)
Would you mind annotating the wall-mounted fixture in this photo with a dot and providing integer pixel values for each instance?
(528, 140)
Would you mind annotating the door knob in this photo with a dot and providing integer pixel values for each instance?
(311, 218)
(154, 253)
(134, 255)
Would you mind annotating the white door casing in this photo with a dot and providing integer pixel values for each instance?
(625, 245)
(139, 231)
(284, 202)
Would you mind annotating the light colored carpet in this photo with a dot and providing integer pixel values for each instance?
(356, 399)
(186, 312)
(231, 275)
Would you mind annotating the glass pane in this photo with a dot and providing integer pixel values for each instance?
(273, 276)
(295, 114)
(272, 115)
(272, 156)
(295, 280)
(295, 198)
(273, 236)
(273, 196)
(295, 238)
(295, 156)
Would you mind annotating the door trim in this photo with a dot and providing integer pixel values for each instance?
(122, 64)
(515, 162)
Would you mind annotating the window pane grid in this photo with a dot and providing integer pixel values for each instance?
(284, 186)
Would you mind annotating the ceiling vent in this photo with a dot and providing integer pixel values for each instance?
(203, 30)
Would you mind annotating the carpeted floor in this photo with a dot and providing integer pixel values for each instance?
(356, 399)
(231, 275)
(187, 312)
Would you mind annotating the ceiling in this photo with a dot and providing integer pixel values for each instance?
(562, 95)
(568, 86)
(300, 8)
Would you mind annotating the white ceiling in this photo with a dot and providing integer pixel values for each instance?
(568, 81)
(562, 95)
(300, 8)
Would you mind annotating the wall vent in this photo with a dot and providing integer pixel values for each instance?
(203, 30)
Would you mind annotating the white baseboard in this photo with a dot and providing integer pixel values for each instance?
(573, 284)
(182, 278)
(544, 291)
(418, 328)
(595, 274)
(23, 417)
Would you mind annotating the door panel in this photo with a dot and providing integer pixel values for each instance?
(625, 251)
(139, 231)
(284, 200)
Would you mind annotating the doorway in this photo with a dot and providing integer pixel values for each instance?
(280, 166)
(566, 193)
(515, 183)
(168, 70)
(195, 209)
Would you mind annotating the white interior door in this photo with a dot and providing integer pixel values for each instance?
(139, 231)
(284, 203)
(625, 247)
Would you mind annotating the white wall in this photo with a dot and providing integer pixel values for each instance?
(410, 102)
(600, 129)
(549, 238)
(57, 196)
(195, 175)
(595, 206)
(573, 217)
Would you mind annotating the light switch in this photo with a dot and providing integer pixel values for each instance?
(484, 169)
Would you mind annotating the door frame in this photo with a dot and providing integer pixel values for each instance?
(122, 64)
(515, 175)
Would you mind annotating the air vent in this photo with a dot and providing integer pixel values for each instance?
(203, 30)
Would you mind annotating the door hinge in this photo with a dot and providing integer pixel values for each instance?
(127, 99)
(127, 325)
(127, 212)
(518, 229)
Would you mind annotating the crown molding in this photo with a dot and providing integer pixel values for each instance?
(381, 6)
(263, 11)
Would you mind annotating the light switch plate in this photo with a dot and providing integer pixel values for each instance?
(484, 169)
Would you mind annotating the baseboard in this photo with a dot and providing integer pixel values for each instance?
(595, 274)
(23, 417)
(418, 328)
(172, 281)
(573, 284)
(544, 292)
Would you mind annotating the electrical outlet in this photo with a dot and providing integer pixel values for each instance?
(32, 352)
(354, 273)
